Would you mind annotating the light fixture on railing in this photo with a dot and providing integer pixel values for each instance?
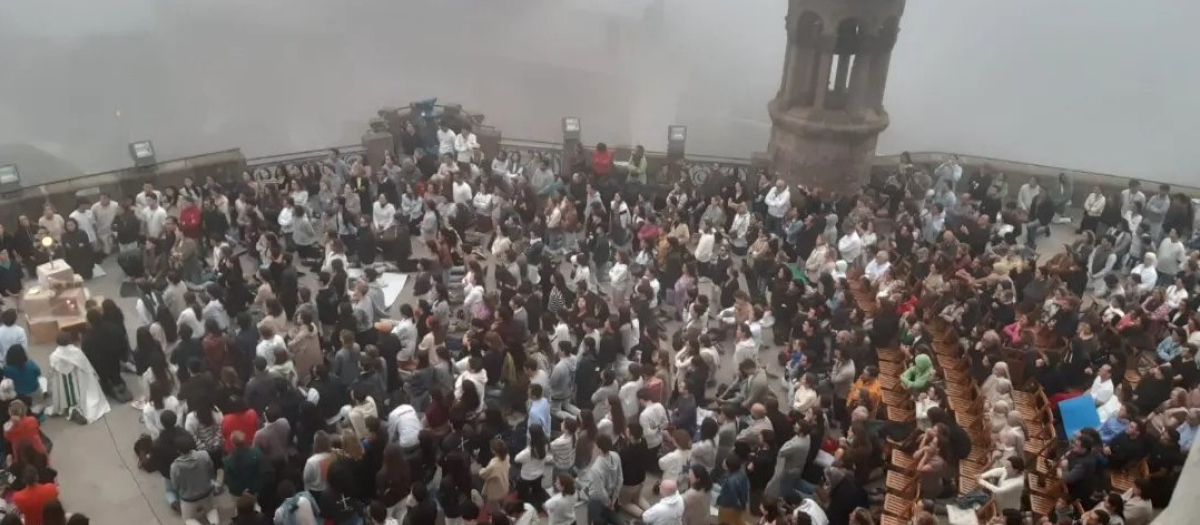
(676, 134)
(572, 128)
(142, 153)
(10, 178)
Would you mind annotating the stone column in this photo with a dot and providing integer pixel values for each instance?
(860, 79)
(787, 85)
(878, 83)
(821, 83)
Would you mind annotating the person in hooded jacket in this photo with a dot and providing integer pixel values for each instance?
(917, 377)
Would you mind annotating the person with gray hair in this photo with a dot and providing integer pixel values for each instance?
(669, 509)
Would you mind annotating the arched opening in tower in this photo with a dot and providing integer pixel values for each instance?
(845, 56)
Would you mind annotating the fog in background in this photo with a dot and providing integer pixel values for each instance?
(1091, 84)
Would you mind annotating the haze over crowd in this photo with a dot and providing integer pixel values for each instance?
(1090, 84)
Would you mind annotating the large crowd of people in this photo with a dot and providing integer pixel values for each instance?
(764, 352)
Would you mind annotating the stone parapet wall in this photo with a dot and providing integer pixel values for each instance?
(223, 166)
(1019, 173)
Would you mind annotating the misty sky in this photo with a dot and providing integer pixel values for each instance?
(1089, 84)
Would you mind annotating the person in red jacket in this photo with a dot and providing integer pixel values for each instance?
(22, 429)
(239, 417)
(34, 497)
(189, 218)
(602, 164)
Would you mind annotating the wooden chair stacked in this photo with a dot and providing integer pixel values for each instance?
(966, 402)
(902, 490)
(1041, 450)
(863, 292)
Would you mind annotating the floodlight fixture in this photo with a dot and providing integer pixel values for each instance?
(142, 153)
(676, 134)
(9, 176)
(572, 128)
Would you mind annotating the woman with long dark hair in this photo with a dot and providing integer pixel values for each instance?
(533, 467)
(77, 249)
(203, 422)
(393, 483)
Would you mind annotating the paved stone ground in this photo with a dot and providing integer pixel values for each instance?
(98, 472)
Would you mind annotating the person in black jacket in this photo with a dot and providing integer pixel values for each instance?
(289, 287)
(213, 223)
(610, 344)
(328, 298)
(165, 450)
(587, 375)
(761, 467)
(1129, 447)
(1078, 469)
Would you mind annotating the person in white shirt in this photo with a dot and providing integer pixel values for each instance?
(850, 245)
(461, 191)
(1132, 195)
(674, 463)
(933, 221)
(1146, 272)
(533, 461)
(1028, 191)
(878, 266)
(105, 212)
(11, 333)
(704, 249)
(619, 279)
(483, 202)
(52, 222)
(465, 145)
(1133, 218)
(406, 332)
(383, 214)
(1171, 256)
(1007, 483)
(669, 509)
(445, 137)
(475, 373)
(746, 347)
(287, 218)
(404, 426)
(268, 343)
(560, 509)
(154, 217)
(1093, 207)
(653, 419)
(778, 200)
(621, 217)
(949, 172)
(142, 199)
(1104, 394)
(1155, 210)
(1176, 293)
(86, 221)
(628, 393)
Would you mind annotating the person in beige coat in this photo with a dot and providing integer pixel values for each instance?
(305, 347)
(697, 501)
(495, 475)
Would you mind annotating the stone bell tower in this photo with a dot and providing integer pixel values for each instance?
(829, 109)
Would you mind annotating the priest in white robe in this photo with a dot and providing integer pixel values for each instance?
(74, 386)
(1104, 394)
